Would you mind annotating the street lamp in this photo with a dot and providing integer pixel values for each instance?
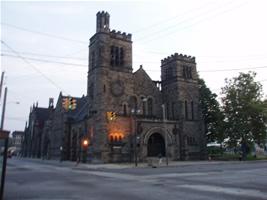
(85, 144)
(14, 102)
(134, 112)
(61, 153)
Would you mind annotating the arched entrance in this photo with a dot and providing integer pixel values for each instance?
(156, 145)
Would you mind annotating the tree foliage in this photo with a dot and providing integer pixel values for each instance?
(244, 110)
(213, 117)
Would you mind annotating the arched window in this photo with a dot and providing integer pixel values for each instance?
(150, 107)
(192, 110)
(144, 106)
(133, 102)
(115, 138)
(185, 110)
(111, 138)
(124, 109)
(120, 138)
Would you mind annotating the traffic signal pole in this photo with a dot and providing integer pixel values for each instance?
(4, 110)
(5, 148)
(1, 83)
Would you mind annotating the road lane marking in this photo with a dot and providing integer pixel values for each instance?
(227, 190)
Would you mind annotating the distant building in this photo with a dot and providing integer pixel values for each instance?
(122, 114)
(17, 137)
(32, 140)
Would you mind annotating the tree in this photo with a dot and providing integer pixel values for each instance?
(244, 110)
(213, 117)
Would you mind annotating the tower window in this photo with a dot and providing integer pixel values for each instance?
(187, 72)
(121, 57)
(112, 55)
(185, 110)
(192, 109)
(116, 56)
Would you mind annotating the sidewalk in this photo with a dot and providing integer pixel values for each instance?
(155, 164)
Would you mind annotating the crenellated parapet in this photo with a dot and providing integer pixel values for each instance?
(120, 35)
(178, 57)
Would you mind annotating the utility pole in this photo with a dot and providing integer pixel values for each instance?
(1, 83)
(3, 110)
(166, 136)
(3, 175)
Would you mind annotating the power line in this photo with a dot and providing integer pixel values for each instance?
(45, 55)
(81, 65)
(33, 67)
(47, 61)
(180, 22)
(233, 69)
(155, 35)
(159, 23)
(232, 58)
(220, 70)
(42, 33)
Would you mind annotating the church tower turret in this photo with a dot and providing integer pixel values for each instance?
(110, 78)
(102, 22)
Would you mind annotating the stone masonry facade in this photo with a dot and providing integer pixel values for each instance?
(126, 115)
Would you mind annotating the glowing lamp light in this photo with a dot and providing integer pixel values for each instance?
(85, 142)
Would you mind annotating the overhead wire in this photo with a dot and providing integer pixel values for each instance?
(42, 33)
(81, 65)
(159, 23)
(47, 61)
(174, 29)
(45, 55)
(174, 26)
(34, 67)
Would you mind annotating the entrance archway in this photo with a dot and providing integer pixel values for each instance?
(156, 145)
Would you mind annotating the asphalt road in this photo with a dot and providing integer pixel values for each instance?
(34, 180)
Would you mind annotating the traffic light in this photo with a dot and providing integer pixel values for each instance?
(69, 103)
(73, 103)
(65, 103)
(111, 116)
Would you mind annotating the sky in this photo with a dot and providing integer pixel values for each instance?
(44, 45)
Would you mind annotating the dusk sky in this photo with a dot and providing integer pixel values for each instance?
(44, 48)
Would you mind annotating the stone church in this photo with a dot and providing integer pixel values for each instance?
(139, 102)
(126, 115)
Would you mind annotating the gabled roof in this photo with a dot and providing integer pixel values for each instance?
(141, 73)
(141, 76)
